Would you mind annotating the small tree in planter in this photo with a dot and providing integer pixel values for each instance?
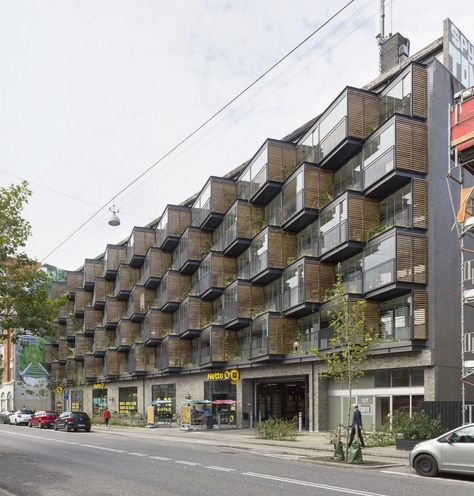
(419, 427)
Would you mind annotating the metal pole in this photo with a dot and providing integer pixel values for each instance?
(218, 420)
(259, 416)
(251, 420)
(300, 421)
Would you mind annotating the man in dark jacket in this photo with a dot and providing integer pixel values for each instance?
(356, 426)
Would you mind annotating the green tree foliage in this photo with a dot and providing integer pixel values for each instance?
(24, 288)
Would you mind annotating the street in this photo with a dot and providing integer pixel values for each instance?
(44, 462)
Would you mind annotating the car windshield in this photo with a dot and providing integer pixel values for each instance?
(78, 414)
(29, 412)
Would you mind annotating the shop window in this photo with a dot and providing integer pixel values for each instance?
(417, 377)
(77, 401)
(164, 392)
(99, 401)
(382, 378)
(401, 378)
(417, 403)
(128, 400)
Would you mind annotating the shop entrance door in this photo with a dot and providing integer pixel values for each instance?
(382, 411)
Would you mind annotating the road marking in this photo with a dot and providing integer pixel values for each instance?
(398, 473)
(103, 448)
(163, 458)
(136, 454)
(222, 469)
(345, 490)
(184, 462)
(432, 479)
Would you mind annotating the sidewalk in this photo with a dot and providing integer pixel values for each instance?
(308, 445)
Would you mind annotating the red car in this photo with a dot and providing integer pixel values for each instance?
(43, 419)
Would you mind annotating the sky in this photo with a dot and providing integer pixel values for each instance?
(94, 92)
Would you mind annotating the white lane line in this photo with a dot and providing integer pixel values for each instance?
(345, 490)
(393, 472)
(434, 479)
(184, 462)
(222, 469)
(136, 454)
(103, 448)
(163, 458)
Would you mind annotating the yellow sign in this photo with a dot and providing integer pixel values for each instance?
(59, 390)
(98, 385)
(150, 415)
(186, 415)
(228, 375)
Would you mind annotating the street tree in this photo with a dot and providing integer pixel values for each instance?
(24, 288)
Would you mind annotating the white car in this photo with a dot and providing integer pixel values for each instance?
(21, 417)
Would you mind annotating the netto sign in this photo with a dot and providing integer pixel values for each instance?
(227, 375)
(458, 54)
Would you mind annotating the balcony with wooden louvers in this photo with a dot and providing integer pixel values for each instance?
(103, 340)
(113, 257)
(193, 246)
(92, 319)
(81, 299)
(57, 289)
(172, 224)
(240, 225)
(66, 310)
(73, 325)
(125, 279)
(156, 263)
(155, 327)
(93, 367)
(58, 372)
(63, 351)
(263, 177)
(214, 274)
(192, 315)
(83, 345)
(215, 198)
(141, 360)
(74, 280)
(139, 302)
(141, 239)
(173, 289)
(114, 310)
(50, 353)
(214, 347)
(304, 194)
(92, 269)
(102, 289)
(173, 354)
(70, 369)
(126, 334)
(113, 364)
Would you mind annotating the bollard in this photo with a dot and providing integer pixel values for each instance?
(251, 420)
(300, 421)
(218, 420)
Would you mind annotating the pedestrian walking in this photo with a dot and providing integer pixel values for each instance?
(356, 426)
(106, 416)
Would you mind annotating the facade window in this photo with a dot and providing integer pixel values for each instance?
(352, 274)
(272, 296)
(293, 196)
(333, 227)
(254, 176)
(180, 318)
(397, 99)
(226, 231)
(379, 156)
(396, 209)
(99, 401)
(202, 206)
(243, 265)
(307, 241)
(128, 400)
(77, 400)
(273, 212)
(333, 128)
(307, 150)
(379, 263)
(308, 331)
(292, 284)
(164, 392)
(395, 321)
(349, 176)
(399, 378)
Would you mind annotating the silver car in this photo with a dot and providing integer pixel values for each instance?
(451, 452)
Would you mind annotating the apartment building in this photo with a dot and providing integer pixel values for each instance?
(223, 297)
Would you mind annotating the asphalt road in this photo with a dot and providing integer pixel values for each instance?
(48, 463)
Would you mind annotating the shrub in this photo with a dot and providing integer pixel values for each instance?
(122, 420)
(420, 426)
(276, 428)
(380, 437)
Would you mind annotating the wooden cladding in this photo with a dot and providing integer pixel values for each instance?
(93, 367)
(103, 339)
(192, 247)
(112, 363)
(50, 353)
(63, 350)
(141, 360)
(155, 326)
(102, 289)
(140, 241)
(74, 280)
(66, 310)
(281, 333)
(73, 370)
(223, 344)
(58, 372)
(363, 111)
(173, 289)
(419, 92)
(363, 214)
(58, 288)
(92, 270)
(174, 221)
(83, 345)
(372, 317)
(411, 145)
(420, 315)
(126, 277)
(114, 256)
(420, 203)
(241, 300)
(193, 314)
(174, 353)
(127, 333)
(81, 300)
(281, 160)
(249, 220)
(220, 271)
(223, 194)
(318, 279)
(92, 319)
(412, 258)
(139, 302)
(156, 263)
(114, 310)
(281, 248)
(318, 184)
(72, 326)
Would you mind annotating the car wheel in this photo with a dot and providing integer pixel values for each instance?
(68, 429)
(426, 466)
(88, 430)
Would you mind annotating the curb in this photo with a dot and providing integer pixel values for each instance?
(351, 465)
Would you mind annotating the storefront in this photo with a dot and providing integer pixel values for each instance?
(99, 398)
(77, 400)
(163, 397)
(221, 390)
(128, 400)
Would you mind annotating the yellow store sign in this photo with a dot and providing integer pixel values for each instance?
(227, 375)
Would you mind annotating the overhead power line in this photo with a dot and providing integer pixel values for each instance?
(197, 129)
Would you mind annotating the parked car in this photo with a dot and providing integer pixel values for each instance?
(451, 452)
(5, 416)
(21, 417)
(73, 421)
(43, 418)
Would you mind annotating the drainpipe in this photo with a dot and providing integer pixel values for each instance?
(312, 395)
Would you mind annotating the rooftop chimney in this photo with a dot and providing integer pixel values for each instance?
(393, 51)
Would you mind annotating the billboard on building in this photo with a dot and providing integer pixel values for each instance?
(458, 54)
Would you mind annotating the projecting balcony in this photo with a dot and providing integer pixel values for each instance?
(171, 292)
(102, 289)
(213, 201)
(65, 311)
(81, 300)
(112, 364)
(214, 274)
(239, 302)
(83, 345)
(172, 224)
(93, 367)
(92, 269)
(263, 177)
(240, 225)
(74, 280)
(304, 286)
(214, 347)
(192, 315)
(139, 302)
(63, 351)
(192, 248)
(103, 340)
(156, 263)
(92, 319)
(113, 257)
(304, 194)
(72, 326)
(57, 289)
(173, 354)
(394, 263)
(125, 279)
(140, 360)
(50, 353)
(269, 337)
(114, 310)
(344, 225)
(397, 152)
(155, 327)
(126, 334)
(70, 370)
(140, 241)
(58, 372)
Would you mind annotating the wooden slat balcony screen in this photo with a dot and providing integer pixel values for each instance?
(93, 367)
(223, 194)
(92, 319)
(83, 345)
(125, 279)
(175, 220)
(281, 332)
(192, 247)
(420, 314)
(281, 160)
(81, 299)
(114, 310)
(72, 326)
(281, 248)
(112, 363)
(411, 148)
(66, 310)
(155, 326)
(193, 314)
(58, 288)
(137, 360)
(363, 111)
(156, 263)
(61, 331)
(419, 91)
(114, 256)
(240, 301)
(92, 270)
(412, 258)
(363, 214)
(126, 334)
(58, 372)
(372, 317)
(57, 332)
(70, 370)
(140, 241)
(223, 344)
(173, 289)
(103, 339)
(175, 353)
(139, 302)
(63, 351)
(50, 353)
(215, 273)
(420, 203)
(74, 280)
(102, 289)
(318, 186)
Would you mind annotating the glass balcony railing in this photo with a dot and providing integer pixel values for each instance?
(353, 283)
(379, 167)
(292, 204)
(333, 237)
(199, 214)
(335, 136)
(380, 275)
(258, 263)
(258, 344)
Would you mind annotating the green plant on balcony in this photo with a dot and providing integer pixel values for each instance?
(256, 313)
(374, 231)
(290, 260)
(229, 279)
(326, 199)
(229, 198)
(287, 170)
(371, 128)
